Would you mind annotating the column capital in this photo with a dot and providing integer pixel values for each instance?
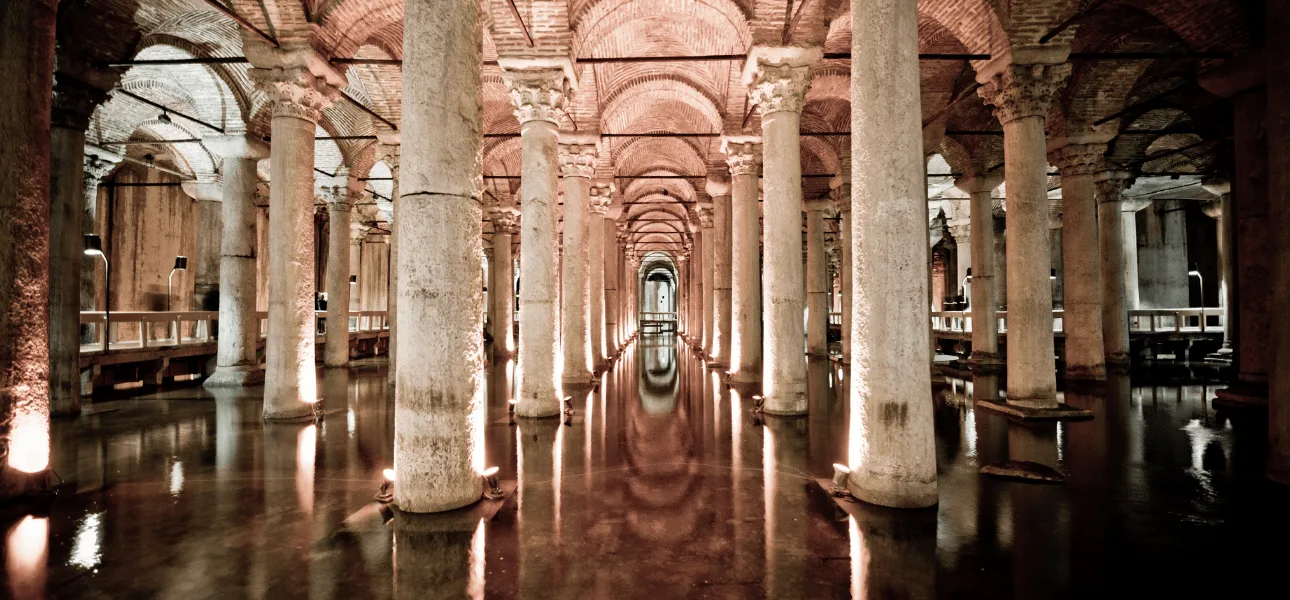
(1218, 186)
(817, 205)
(979, 183)
(340, 191)
(1073, 160)
(1110, 188)
(539, 94)
(505, 220)
(388, 151)
(204, 189)
(236, 146)
(74, 100)
(717, 186)
(357, 231)
(577, 154)
(601, 198)
(1019, 91)
(296, 92)
(742, 153)
(780, 88)
(98, 164)
(704, 211)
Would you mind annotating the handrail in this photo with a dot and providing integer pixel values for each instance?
(199, 333)
(1156, 320)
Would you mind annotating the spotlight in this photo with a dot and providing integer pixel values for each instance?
(353, 279)
(840, 475)
(164, 118)
(510, 410)
(93, 245)
(568, 410)
(493, 491)
(759, 403)
(385, 495)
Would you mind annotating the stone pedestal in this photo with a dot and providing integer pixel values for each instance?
(439, 395)
(239, 330)
(1082, 297)
(778, 79)
(985, 323)
(892, 454)
(1115, 316)
(817, 280)
(744, 159)
(577, 155)
(1021, 95)
(539, 96)
(300, 84)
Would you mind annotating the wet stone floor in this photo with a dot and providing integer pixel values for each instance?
(663, 486)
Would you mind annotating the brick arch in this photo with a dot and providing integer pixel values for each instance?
(677, 189)
(191, 36)
(659, 156)
(642, 97)
(378, 86)
(342, 26)
(597, 20)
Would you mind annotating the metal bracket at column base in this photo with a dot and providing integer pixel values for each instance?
(1024, 471)
(465, 519)
(1242, 395)
(1061, 412)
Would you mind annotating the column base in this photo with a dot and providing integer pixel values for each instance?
(235, 376)
(718, 366)
(462, 520)
(309, 413)
(744, 378)
(1242, 395)
(1222, 355)
(1061, 412)
(1085, 373)
(1119, 363)
(985, 363)
(16, 484)
(578, 381)
(1024, 471)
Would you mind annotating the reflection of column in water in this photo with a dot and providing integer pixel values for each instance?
(539, 469)
(26, 552)
(783, 459)
(893, 553)
(1040, 552)
(432, 563)
(991, 429)
(827, 417)
(1088, 445)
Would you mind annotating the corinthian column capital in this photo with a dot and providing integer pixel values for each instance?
(1110, 188)
(540, 94)
(601, 198)
(1019, 91)
(742, 153)
(577, 154)
(705, 215)
(1078, 159)
(98, 164)
(777, 78)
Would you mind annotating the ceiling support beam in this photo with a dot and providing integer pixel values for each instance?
(226, 11)
(166, 109)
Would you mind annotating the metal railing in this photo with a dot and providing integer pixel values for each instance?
(1158, 320)
(835, 318)
(150, 329)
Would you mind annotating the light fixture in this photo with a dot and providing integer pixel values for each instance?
(181, 264)
(759, 403)
(492, 491)
(840, 475)
(1195, 273)
(385, 494)
(93, 246)
(510, 410)
(353, 279)
(1052, 274)
(568, 410)
(164, 118)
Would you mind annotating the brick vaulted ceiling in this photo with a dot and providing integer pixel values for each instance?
(1179, 37)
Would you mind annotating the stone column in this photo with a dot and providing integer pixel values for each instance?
(722, 277)
(1021, 95)
(98, 164)
(27, 68)
(743, 158)
(846, 264)
(1111, 245)
(439, 396)
(73, 103)
(1221, 211)
(777, 80)
(706, 279)
(1129, 252)
(577, 154)
(1082, 290)
(817, 280)
(612, 339)
(893, 459)
(208, 193)
(389, 151)
(340, 194)
(985, 324)
(300, 84)
(599, 205)
(1276, 25)
(506, 222)
(236, 363)
(539, 96)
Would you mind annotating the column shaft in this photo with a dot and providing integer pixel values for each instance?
(1129, 256)
(1227, 268)
(1082, 285)
(893, 460)
(596, 277)
(1278, 140)
(817, 283)
(439, 400)
(205, 265)
(239, 332)
(610, 265)
(336, 353)
(721, 279)
(1111, 245)
(66, 196)
(847, 264)
(574, 282)
(745, 294)
(538, 343)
